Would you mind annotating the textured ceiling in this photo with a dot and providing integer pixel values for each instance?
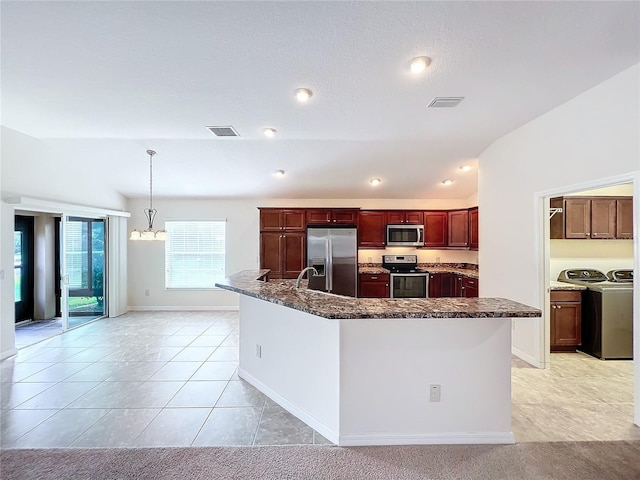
(103, 81)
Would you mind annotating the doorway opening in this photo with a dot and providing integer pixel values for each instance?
(578, 396)
(68, 274)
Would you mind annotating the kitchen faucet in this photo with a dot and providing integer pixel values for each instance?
(315, 272)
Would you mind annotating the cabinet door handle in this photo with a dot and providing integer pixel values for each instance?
(374, 278)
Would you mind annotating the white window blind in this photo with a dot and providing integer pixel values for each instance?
(194, 253)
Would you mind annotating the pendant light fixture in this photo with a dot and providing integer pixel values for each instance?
(150, 213)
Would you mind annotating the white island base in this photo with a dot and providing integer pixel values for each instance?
(367, 381)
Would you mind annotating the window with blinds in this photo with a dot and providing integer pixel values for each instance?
(194, 253)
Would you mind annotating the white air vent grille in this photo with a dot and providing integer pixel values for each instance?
(226, 131)
(445, 102)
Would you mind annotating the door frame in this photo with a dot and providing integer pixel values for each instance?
(26, 224)
(543, 242)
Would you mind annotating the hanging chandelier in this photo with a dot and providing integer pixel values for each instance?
(150, 213)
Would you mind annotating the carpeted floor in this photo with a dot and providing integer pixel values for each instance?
(553, 461)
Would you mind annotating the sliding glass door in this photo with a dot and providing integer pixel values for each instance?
(83, 265)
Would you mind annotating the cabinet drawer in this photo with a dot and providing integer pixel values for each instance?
(566, 295)
(374, 277)
(469, 282)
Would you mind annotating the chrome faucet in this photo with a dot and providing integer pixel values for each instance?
(315, 272)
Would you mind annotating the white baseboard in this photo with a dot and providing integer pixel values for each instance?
(358, 440)
(8, 353)
(181, 308)
(526, 357)
(292, 408)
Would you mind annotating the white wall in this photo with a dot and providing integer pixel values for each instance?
(603, 255)
(146, 259)
(590, 137)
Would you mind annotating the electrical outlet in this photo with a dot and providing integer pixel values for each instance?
(437, 259)
(147, 292)
(434, 393)
(258, 350)
(370, 259)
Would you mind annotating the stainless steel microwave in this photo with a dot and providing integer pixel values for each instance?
(405, 236)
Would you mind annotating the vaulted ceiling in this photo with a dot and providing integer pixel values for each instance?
(101, 82)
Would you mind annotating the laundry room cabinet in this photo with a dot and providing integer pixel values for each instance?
(566, 320)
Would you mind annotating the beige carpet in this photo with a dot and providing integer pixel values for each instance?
(556, 461)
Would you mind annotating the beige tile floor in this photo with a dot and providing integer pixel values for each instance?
(578, 398)
(169, 379)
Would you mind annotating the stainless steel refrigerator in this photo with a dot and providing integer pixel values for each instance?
(333, 252)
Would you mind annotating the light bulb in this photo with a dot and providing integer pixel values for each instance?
(419, 64)
(303, 94)
(465, 168)
(375, 181)
(447, 182)
(270, 132)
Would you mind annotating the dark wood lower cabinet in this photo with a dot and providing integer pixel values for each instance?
(283, 253)
(445, 284)
(469, 287)
(373, 285)
(566, 320)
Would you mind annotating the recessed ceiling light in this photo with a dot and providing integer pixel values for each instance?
(270, 132)
(447, 182)
(419, 64)
(279, 173)
(303, 94)
(465, 168)
(375, 181)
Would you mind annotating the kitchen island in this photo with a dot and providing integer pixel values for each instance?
(380, 371)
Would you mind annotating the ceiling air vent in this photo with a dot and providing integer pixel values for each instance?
(226, 131)
(445, 102)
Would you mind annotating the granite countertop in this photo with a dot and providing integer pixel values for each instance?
(283, 292)
(565, 286)
(443, 268)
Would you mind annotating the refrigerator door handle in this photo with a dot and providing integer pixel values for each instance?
(329, 251)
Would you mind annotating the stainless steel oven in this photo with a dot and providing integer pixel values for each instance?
(407, 280)
(409, 285)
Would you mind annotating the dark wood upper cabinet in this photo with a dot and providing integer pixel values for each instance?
(398, 217)
(282, 219)
(592, 218)
(577, 218)
(624, 218)
(473, 228)
(435, 228)
(458, 228)
(372, 225)
(332, 216)
(603, 218)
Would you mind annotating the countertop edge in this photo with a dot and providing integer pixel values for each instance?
(337, 307)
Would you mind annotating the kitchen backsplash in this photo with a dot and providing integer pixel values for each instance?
(424, 256)
(469, 266)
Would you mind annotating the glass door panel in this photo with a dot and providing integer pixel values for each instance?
(83, 270)
(23, 267)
